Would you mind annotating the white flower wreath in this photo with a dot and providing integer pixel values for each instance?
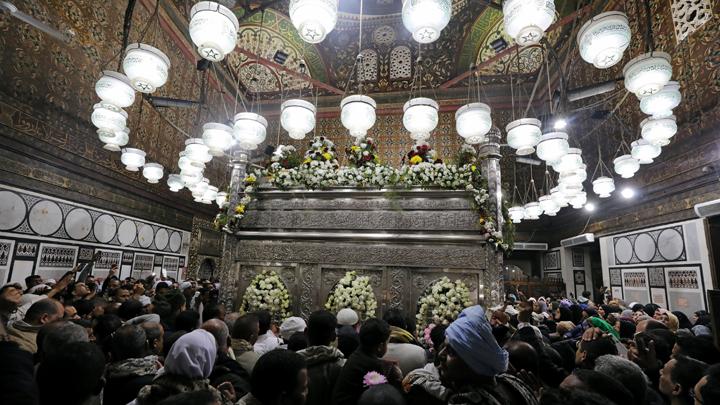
(353, 291)
(267, 292)
(442, 304)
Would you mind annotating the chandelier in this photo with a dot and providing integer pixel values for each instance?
(473, 122)
(662, 103)
(648, 73)
(604, 39)
(217, 137)
(250, 130)
(313, 19)
(603, 186)
(626, 166)
(552, 147)
(357, 114)
(197, 151)
(526, 20)
(425, 19)
(658, 131)
(523, 135)
(114, 140)
(517, 214)
(146, 66)
(297, 117)
(114, 88)
(132, 158)
(153, 172)
(213, 29)
(175, 182)
(645, 151)
(420, 117)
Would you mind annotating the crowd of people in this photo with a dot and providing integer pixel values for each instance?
(151, 341)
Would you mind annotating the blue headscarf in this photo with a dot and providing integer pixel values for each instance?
(470, 336)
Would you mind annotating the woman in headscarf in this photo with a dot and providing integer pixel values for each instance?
(187, 368)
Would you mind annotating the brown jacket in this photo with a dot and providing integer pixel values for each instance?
(24, 334)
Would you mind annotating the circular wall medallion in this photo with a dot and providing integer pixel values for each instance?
(127, 232)
(45, 217)
(12, 210)
(78, 223)
(145, 235)
(175, 241)
(161, 239)
(644, 247)
(670, 244)
(384, 35)
(623, 250)
(104, 228)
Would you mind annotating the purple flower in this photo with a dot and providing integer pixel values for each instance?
(374, 378)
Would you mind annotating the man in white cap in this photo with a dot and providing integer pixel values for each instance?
(348, 317)
(291, 326)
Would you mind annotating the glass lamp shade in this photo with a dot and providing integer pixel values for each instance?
(115, 88)
(114, 140)
(190, 179)
(569, 191)
(209, 195)
(553, 146)
(603, 186)
(250, 130)
(217, 137)
(579, 200)
(197, 151)
(517, 213)
(645, 151)
(569, 162)
(425, 19)
(626, 166)
(175, 183)
(658, 131)
(648, 73)
(661, 104)
(153, 172)
(313, 19)
(188, 165)
(213, 29)
(297, 117)
(527, 20)
(199, 188)
(146, 66)
(132, 158)
(357, 114)
(575, 177)
(420, 117)
(533, 210)
(473, 122)
(221, 199)
(558, 197)
(548, 205)
(604, 39)
(108, 117)
(523, 135)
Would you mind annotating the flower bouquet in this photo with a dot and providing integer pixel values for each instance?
(230, 220)
(267, 292)
(421, 153)
(355, 292)
(466, 156)
(284, 157)
(362, 153)
(442, 304)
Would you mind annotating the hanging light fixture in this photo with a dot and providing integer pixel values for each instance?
(115, 88)
(213, 29)
(217, 137)
(425, 19)
(221, 199)
(250, 130)
(198, 189)
(358, 114)
(648, 73)
(114, 140)
(626, 166)
(420, 117)
(552, 147)
(526, 20)
(603, 186)
(175, 183)
(153, 172)
(297, 117)
(645, 151)
(568, 190)
(661, 104)
(548, 205)
(558, 197)
(517, 214)
(523, 135)
(473, 122)
(313, 19)
(569, 162)
(579, 200)
(604, 39)
(209, 195)
(190, 179)
(132, 158)
(109, 118)
(146, 66)
(197, 151)
(533, 210)
(658, 131)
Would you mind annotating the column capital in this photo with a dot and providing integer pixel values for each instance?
(491, 147)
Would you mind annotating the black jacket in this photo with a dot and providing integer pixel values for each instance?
(124, 379)
(324, 364)
(228, 370)
(349, 385)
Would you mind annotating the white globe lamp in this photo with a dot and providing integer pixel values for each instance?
(533, 210)
(553, 146)
(661, 104)
(213, 29)
(604, 39)
(357, 114)
(197, 151)
(523, 135)
(517, 213)
(115, 88)
(114, 141)
(558, 197)
(210, 194)
(250, 130)
(548, 205)
(146, 66)
(626, 166)
(473, 122)
(313, 19)
(579, 200)
(109, 118)
(153, 172)
(603, 186)
(658, 131)
(217, 137)
(425, 19)
(420, 117)
(526, 20)
(645, 151)
(132, 158)
(297, 117)
(175, 183)
(569, 162)
(190, 179)
(648, 73)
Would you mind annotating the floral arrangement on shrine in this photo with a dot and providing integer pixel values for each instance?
(442, 304)
(355, 292)
(267, 292)
(319, 169)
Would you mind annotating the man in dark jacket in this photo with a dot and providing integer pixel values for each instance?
(131, 368)
(226, 369)
(323, 361)
(374, 336)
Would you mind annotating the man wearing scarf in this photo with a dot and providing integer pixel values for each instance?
(474, 365)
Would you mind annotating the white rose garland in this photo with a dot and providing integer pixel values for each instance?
(442, 304)
(267, 292)
(355, 292)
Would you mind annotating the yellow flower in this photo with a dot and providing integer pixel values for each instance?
(250, 179)
(415, 159)
(355, 148)
(473, 167)
(240, 209)
(327, 156)
(307, 160)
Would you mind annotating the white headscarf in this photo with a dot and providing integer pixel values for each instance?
(193, 355)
